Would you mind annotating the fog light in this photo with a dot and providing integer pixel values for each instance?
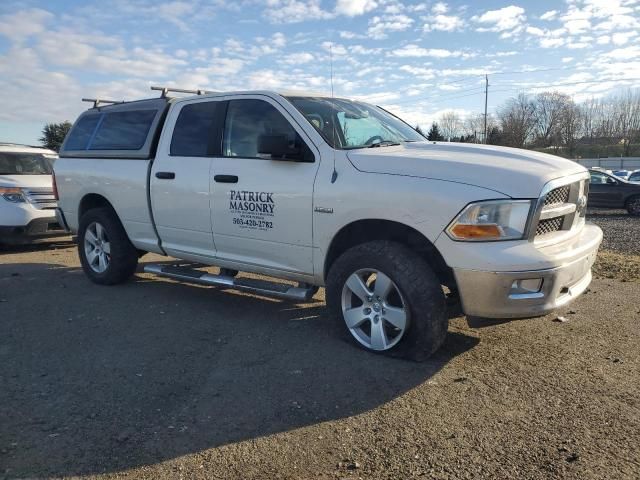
(527, 285)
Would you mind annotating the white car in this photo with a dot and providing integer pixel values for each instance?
(326, 192)
(27, 201)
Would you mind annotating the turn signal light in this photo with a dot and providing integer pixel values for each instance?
(476, 231)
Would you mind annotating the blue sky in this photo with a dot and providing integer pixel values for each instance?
(418, 59)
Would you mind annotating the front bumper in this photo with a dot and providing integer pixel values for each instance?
(494, 294)
(34, 230)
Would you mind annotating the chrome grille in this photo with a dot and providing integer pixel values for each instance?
(41, 198)
(549, 225)
(559, 210)
(557, 196)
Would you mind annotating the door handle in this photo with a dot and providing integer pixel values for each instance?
(165, 175)
(226, 178)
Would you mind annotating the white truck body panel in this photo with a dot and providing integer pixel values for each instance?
(421, 185)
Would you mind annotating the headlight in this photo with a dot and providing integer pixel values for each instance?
(11, 194)
(491, 220)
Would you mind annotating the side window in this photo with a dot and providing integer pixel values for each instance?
(123, 130)
(82, 131)
(597, 178)
(253, 122)
(193, 130)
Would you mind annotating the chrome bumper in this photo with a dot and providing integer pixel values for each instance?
(497, 295)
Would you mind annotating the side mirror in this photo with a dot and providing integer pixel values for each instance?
(611, 181)
(278, 147)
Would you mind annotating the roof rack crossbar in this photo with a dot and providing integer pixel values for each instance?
(165, 91)
(98, 101)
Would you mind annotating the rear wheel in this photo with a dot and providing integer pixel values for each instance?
(106, 254)
(388, 300)
(633, 206)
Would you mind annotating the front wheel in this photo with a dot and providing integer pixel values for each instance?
(106, 254)
(388, 300)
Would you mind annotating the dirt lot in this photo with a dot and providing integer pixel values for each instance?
(155, 379)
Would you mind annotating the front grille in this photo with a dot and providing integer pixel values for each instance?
(557, 196)
(41, 198)
(549, 225)
(559, 210)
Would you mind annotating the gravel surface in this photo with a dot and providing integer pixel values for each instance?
(154, 379)
(621, 230)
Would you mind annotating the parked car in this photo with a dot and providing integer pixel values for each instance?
(27, 202)
(326, 192)
(634, 176)
(608, 191)
(623, 174)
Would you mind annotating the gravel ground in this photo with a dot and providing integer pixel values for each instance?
(621, 230)
(159, 380)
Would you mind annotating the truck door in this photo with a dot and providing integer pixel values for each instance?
(180, 195)
(262, 206)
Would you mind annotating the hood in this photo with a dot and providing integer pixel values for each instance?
(511, 171)
(27, 181)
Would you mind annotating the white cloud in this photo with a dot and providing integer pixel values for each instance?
(550, 42)
(25, 23)
(380, 26)
(443, 23)
(352, 8)
(334, 48)
(567, 59)
(538, 32)
(174, 12)
(621, 38)
(440, 8)
(417, 51)
(576, 26)
(423, 73)
(550, 15)
(507, 21)
(299, 58)
(603, 40)
(293, 11)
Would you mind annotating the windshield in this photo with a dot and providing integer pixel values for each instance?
(346, 124)
(15, 163)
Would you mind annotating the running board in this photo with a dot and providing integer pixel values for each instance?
(260, 287)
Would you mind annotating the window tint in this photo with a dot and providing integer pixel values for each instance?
(599, 178)
(247, 120)
(81, 133)
(193, 130)
(123, 130)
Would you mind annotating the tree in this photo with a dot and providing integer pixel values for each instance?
(548, 110)
(450, 125)
(517, 120)
(53, 135)
(419, 130)
(434, 133)
(569, 126)
(473, 127)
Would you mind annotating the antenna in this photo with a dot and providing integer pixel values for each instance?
(334, 175)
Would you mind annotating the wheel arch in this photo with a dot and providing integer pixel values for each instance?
(365, 230)
(90, 201)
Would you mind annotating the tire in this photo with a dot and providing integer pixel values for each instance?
(633, 206)
(106, 254)
(414, 289)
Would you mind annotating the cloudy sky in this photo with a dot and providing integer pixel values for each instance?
(417, 59)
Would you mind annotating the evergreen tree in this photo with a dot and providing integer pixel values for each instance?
(434, 133)
(419, 130)
(53, 135)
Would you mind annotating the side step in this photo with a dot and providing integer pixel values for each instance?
(261, 287)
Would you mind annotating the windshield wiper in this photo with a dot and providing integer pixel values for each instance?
(384, 143)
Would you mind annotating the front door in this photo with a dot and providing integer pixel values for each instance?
(262, 208)
(604, 191)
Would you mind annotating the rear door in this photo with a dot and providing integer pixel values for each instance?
(262, 207)
(180, 186)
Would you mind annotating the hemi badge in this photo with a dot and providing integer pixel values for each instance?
(323, 210)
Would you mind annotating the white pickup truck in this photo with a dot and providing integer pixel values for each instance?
(326, 192)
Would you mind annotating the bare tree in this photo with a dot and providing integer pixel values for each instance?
(517, 120)
(549, 108)
(626, 108)
(473, 126)
(450, 125)
(570, 126)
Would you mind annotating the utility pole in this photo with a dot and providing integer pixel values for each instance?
(486, 97)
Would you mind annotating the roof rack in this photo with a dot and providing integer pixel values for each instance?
(98, 101)
(165, 91)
